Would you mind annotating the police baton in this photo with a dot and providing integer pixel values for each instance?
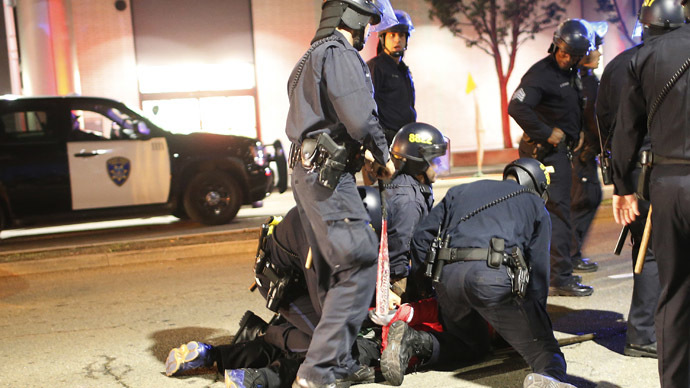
(383, 276)
(639, 263)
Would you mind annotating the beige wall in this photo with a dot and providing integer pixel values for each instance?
(440, 63)
(105, 50)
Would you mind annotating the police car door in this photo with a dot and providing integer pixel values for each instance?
(112, 163)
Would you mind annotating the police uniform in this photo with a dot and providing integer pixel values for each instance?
(549, 97)
(649, 71)
(409, 201)
(470, 290)
(586, 192)
(645, 295)
(332, 89)
(394, 93)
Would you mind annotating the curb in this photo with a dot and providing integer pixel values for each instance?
(71, 262)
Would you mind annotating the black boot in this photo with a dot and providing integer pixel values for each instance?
(251, 327)
(403, 343)
(363, 375)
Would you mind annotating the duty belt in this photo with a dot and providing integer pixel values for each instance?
(658, 159)
(452, 255)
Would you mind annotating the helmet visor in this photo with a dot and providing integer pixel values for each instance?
(441, 164)
(388, 18)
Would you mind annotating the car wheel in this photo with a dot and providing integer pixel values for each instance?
(212, 198)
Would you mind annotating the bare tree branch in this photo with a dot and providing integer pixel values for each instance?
(497, 25)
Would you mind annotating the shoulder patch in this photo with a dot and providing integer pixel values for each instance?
(519, 95)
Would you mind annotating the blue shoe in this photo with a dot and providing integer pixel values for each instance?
(244, 378)
(187, 357)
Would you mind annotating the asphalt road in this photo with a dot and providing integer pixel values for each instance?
(113, 326)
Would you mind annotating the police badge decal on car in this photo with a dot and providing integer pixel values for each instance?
(118, 169)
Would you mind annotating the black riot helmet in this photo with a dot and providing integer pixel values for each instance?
(529, 173)
(418, 145)
(404, 26)
(667, 14)
(658, 17)
(353, 15)
(371, 198)
(574, 37)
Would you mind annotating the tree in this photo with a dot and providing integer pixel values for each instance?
(499, 28)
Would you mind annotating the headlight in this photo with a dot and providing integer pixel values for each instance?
(258, 153)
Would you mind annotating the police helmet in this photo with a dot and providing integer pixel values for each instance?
(371, 198)
(418, 145)
(667, 14)
(355, 15)
(529, 173)
(573, 37)
(403, 24)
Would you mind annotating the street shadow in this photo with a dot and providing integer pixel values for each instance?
(609, 327)
(165, 340)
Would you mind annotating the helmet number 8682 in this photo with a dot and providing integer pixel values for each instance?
(423, 138)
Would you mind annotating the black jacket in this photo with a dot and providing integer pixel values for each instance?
(649, 71)
(393, 91)
(547, 97)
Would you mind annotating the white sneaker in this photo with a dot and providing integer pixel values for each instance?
(535, 380)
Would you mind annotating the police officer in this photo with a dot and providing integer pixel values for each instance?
(654, 101)
(416, 153)
(641, 340)
(586, 190)
(491, 233)
(548, 106)
(269, 354)
(393, 85)
(332, 116)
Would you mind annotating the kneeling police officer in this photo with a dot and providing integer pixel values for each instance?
(486, 248)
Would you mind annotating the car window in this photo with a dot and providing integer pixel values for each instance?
(24, 126)
(105, 123)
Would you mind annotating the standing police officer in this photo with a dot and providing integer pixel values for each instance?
(655, 19)
(656, 87)
(586, 192)
(491, 234)
(332, 115)
(548, 107)
(393, 85)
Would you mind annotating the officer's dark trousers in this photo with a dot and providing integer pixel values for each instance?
(586, 196)
(301, 316)
(670, 197)
(344, 252)
(558, 206)
(646, 288)
(467, 288)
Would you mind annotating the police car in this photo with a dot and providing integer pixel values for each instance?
(70, 159)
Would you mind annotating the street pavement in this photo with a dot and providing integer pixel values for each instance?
(107, 317)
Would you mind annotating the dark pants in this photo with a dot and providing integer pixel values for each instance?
(646, 288)
(469, 291)
(278, 367)
(586, 196)
(670, 197)
(558, 206)
(301, 316)
(344, 252)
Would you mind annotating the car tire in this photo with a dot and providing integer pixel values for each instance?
(212, 198)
